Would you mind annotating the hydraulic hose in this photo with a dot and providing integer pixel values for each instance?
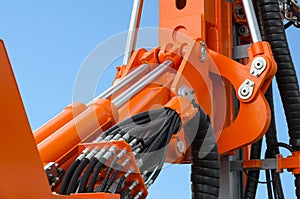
(85, 177)
(297, 184)
(253, 176)
(93, 180)
(274, 33)
(66, 180)
(205, 158)
(272, 146)
(77, 172)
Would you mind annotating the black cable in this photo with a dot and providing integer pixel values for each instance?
(119, 186)
(272, 147)
(85, 177)
(159, 140)
(175, 125)
(162, 140)
(253, 176)
(254, 179)
(158, 126)
(100, 165)
(288, 24)
(111, 180)
(69, 173)
(74, 180)
(297, 183)
(125, 193)
(287, 146)
(269, 185)
(113, 164)
(138, 119)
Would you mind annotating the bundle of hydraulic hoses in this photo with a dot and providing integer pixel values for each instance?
(148, 135)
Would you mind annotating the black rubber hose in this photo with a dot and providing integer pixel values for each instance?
(272, 146)
(286, 146)
(113, 165)
(253, 176)
(205, 158)
(120, 184)
(269, 185)
(286, 75)
(138, 119)
(175, 125)
(74, 180)
(111, 180)
(95, 174)
(125, 193)
(297, 184)
(144, 115)
(66, 180)
(85, 177)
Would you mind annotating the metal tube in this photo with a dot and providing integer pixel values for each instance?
(252, 22)
(133, 75)
(133, 29)
(139, 85)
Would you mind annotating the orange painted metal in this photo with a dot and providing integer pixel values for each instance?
(195, 74)
(87, 196)
(152, 97)
(176, 23)
(58, 121)
(96, 195)
(248, 118)
(252, 164)
(71, 134)
(254, 113)
(21, 169)
(159, 91)
(210, 21)
(135, 61)
(291, 163)
(186, 111)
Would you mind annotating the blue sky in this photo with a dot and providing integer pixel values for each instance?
(48, 41)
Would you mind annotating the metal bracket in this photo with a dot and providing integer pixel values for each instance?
(241, 51)
(240, 165)
(258, 66)
(246, 89)
(186, 92)
(53, 173)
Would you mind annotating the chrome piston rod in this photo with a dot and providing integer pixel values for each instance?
(139, 85)
(252, 22)
(133, 29)
(129, 79)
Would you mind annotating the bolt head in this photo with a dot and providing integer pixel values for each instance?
(180, 146)
(245, 91)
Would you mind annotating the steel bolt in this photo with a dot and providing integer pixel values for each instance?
(180, 146)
